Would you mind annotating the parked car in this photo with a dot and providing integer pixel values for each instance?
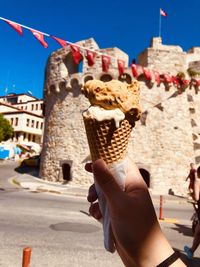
(31, 162)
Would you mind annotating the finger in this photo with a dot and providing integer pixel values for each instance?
(106, 181)
(95, 211)
(92, 194)
(88, 167)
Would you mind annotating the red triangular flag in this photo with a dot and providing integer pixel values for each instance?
(134, 70)
(90, 55)
(185, 82)
(121, 66)
(167, 78)
(40, 37)
(175, 80)
(157, 76)
(76, 53)
(63, 43)
(147, 73)
(105, 63)
(15, 26)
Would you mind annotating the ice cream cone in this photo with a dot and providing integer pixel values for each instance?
(106, 141)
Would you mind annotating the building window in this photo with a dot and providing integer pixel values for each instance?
(41, 106)
(32, 123)
(27, 122)
(37, 124)
(32, 107)
(29, 137)
(41, 126)
(36, 107)
(16, 121)
(11, 121)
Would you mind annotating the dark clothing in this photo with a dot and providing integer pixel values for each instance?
(198, 209)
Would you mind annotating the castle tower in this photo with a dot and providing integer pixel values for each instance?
(65, 149)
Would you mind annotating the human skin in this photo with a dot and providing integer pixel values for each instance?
(138, 237)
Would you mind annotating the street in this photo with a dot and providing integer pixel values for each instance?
(60, 231)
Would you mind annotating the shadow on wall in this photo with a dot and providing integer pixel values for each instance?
(146, 176)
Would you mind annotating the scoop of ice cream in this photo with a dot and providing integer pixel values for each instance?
(114, 94)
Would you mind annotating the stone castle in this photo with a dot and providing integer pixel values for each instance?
(163, 143)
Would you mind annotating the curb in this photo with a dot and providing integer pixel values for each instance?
(35, 187)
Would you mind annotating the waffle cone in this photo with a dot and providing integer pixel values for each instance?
(106, 141)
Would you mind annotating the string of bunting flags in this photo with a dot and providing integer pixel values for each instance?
(79, 51)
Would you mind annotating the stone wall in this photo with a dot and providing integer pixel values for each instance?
(163, 142)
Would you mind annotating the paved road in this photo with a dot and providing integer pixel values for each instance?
(60, 231)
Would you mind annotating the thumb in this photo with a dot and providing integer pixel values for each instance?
(106, 181)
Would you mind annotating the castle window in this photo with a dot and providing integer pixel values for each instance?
(88, 78)
(106, 78)
(32, 123)
(27, 122)
(16, 121)
(125, 78)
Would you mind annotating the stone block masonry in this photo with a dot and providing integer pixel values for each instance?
(163, 142)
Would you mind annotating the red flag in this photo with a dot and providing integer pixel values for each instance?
(157, 77)
(76, 53)
(175, 80)
(185, 82)
(167, 78)
(90, 55)
(134, 70)
(121, 66)
(63, 43)
(163, 13)
(147, 73)
(15, 26)
(105, 63)
(40, 37)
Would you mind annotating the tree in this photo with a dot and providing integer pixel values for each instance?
(6, 130)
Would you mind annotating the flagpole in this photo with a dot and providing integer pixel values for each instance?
(159, 33)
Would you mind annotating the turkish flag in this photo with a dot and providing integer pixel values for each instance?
(105, 63)
(163, 13)
(167, 78)
(63, 43)
(40, 37)
(76, 53)
(157, 77)
(134, 70)
(15, 26)
(147, 73)
(121, 66)
(90, 55)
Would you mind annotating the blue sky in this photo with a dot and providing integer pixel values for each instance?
(126, 24)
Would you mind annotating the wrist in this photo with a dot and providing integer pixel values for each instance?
(155, 250)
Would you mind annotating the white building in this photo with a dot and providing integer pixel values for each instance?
(25, 114)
